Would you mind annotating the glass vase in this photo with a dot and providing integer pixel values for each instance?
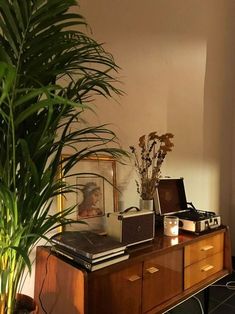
(146, 204)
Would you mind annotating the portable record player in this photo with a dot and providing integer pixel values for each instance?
(170, 199)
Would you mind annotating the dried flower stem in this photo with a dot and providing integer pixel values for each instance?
(153, 150)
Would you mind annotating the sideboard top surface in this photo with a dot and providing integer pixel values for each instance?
(162, 243)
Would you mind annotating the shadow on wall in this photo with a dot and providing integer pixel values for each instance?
(219, 101)
(179, 73)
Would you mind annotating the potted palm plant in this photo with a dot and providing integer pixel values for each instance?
(41, 44)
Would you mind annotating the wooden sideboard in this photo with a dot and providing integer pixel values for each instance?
(157, 276)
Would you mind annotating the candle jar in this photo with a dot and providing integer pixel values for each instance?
(171, 226)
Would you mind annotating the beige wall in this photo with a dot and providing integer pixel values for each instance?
(177, 59)
(178, 75)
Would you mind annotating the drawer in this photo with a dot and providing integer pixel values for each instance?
(203, 248)
(203, 269)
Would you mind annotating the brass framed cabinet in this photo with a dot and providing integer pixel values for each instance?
(156, 277)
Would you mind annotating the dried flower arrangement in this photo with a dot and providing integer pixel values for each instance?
(153, 150)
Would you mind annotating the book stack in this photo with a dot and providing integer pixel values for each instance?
(88, 249)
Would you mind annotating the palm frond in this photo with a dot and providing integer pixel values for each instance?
(27, 30)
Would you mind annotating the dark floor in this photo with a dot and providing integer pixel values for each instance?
(221, 300)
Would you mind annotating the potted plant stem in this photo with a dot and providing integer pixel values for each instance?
(42, 43)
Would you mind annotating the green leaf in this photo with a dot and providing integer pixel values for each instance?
(7, 77)
(10, 19)
(24, 255)
(45, 104)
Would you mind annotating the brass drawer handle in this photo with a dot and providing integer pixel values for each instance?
(207, 248)
(207, 268)
(152, 270)
(134, 278)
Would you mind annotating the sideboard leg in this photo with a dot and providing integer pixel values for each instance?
(206, 300)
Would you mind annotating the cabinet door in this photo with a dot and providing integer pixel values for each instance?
(118, 292)
(163, 278)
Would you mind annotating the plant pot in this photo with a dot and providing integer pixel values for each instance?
(146, 204)
(25, 305)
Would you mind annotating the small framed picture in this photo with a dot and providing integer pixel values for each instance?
(94, 180)
(90, 197)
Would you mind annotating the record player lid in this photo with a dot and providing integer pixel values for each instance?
(170, 197)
